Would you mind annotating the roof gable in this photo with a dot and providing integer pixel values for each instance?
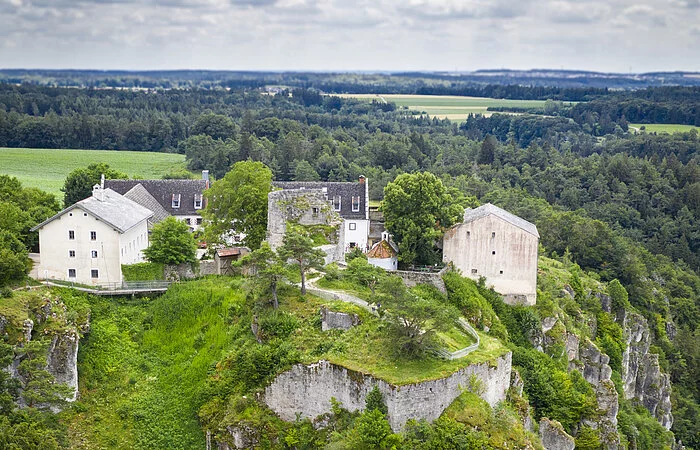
(115, 210)
(140, 195)
(163, 190)
(470, 215)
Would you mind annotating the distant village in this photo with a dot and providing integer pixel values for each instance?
(89, 241)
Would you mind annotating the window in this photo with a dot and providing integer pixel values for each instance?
(188, 221)
(197, 201)
(93, 235)
(71, 234)
(71, 273)
(176, 200)
(500, 272)
(474, 271)
(84, 214)
(352, 226)
(493, 252)
(336, 203)
(493, 234)
(469, 233)
(94, 273)
(314, 211)
(199, 220)
(355, 204)
(71, 253)
(93, 253)
(70, 214)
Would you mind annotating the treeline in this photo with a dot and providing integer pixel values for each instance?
(671, 105)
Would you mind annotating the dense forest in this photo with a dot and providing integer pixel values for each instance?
(620, 205)
(500, 81)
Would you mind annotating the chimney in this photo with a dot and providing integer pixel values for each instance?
(205, 177)
(98, 193)
(102, 181)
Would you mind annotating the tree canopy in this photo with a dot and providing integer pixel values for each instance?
(417, 208)
(171, 243)
(238, 203)
(79, 183)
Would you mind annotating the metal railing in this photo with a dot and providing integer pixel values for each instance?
(134, 285)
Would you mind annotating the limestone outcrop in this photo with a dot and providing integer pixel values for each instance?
(333, 320)
(597, 372)
(554, 437)
(307, 390)
(48, 322)
(642, 378)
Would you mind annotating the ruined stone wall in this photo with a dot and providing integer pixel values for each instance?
(308, 390)
(303, 206)
(411, 278)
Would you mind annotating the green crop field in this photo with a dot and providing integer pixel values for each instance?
(47, 169)
(448, 106)
(662, 128)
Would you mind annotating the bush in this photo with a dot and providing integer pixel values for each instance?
(145, 271)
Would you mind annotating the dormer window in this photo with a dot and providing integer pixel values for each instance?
(197, 201)
(176, 200)
(355, 204)
(336, 203)
(325, 192)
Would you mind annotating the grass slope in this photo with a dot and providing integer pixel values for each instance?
(144, 366)
(662, 128)
(47, 169)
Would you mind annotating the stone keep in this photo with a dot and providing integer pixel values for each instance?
(499, 246)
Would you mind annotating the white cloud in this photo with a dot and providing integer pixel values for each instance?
(350, 34)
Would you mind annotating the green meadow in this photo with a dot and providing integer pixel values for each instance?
(662, 128)
(449, 106)
(47, 169)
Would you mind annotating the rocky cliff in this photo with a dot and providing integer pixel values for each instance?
(47, 320)
(642, 378)
(307, 390)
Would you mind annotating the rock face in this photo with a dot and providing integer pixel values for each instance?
(641, 375)
(597, 372)
(307, 390)
(554, 437)
(62, 352)
(332, 320)
(62, 360)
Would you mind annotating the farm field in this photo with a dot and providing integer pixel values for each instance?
(451, 107)
(662, 127)
(47, 169)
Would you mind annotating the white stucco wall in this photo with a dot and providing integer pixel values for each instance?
(471, 246)
(133, 243)
(358, 235)
(384, 263)
(55, 247)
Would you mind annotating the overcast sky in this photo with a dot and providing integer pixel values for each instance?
(612, 35)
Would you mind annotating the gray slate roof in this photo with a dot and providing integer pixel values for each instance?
(471, 215)
(140, 195)
(163, 190)
(115, 210)
(346, 190)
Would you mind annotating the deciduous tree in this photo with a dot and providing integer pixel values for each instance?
(417, 208)
(238, 202)
(171, 243)
(79, 183)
